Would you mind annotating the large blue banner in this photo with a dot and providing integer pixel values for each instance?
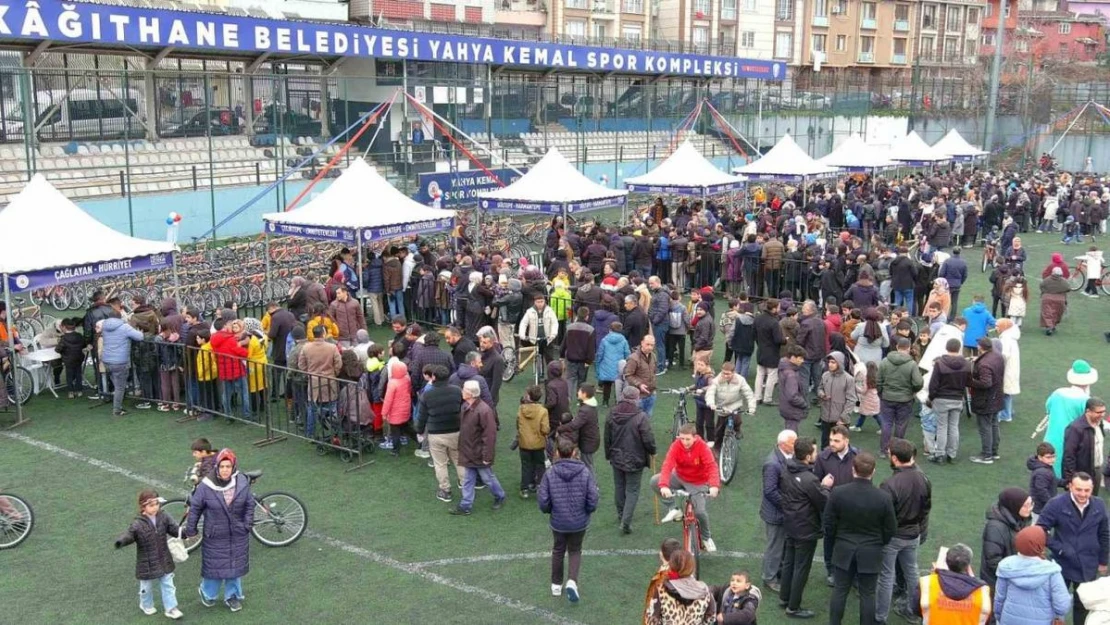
(551, 208)
(318, 233)
(159, 28)
(92, 271)
(445, 189)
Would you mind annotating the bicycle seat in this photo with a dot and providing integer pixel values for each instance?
(253, 475)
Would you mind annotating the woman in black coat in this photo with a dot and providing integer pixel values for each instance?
(224, 500)
(1004, 520)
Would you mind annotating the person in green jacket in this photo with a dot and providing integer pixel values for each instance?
(899, 381)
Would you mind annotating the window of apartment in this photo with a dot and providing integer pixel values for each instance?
(1063, 48)
(633, 6)
(575, 29)
(632, 32)
(1021, 45)
(929, 17)
(747, 39)
(841, 7)
(867, 45)
(900, 46)
(599, 31)
(728, 9)
(954, 22)
(988, 39)
(819, 42)
(972, 16)
(951, 47)
(869, 10)
(747, 5)
(970, 48)
(700, 37)
(784, 45)
(820, 8)
(1005, 9)
(902, 12)
(703, 7)
(928, 47)
(988, 10)
(1064, 28)
(576, 4)
(841, 43)
(784, 10)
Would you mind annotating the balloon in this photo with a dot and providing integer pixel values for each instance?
(173, 215)
(169, 221)
(176, 218)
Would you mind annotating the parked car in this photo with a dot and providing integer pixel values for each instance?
(219, 122)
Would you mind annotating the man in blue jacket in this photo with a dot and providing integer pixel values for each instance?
(954, 270)
(115, 354)
(569, 494)
(1079, 535)
(770, 507)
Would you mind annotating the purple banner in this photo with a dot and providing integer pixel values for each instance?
(319, 233)
(92, 271)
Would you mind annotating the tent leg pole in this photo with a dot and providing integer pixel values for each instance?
(11, 352)
(359, 296)
(566, 222)
(266, 266)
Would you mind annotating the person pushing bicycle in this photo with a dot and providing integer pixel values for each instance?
(728, 393)
(689, 466)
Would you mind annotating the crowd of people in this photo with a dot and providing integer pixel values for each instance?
(845, 299)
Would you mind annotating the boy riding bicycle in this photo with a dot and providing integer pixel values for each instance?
(689, 466)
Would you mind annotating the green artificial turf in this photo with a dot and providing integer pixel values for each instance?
(382, 549)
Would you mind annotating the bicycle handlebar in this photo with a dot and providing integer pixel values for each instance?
(674, 391)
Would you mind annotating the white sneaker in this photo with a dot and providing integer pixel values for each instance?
(556, 590)
(710, 546)
(572, 591)
(420, 453)
(151, 611)
(174, 614)
(673, 516)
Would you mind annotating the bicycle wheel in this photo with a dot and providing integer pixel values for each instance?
(679, 419)
(692, 538)
(16, 523)
(1077, 278)
(729, 452)
(178, 510)
(1104, 282)
(279, 519)
(986, 263)
(26, 384)
(509, 356)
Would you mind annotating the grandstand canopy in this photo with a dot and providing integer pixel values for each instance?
(787, 162)
(912, 150)
(359, 204)
(685, 171)
(856, 156)
(552, 185)
(50, 240)
(953, 144)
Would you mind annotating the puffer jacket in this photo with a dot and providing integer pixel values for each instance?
(703, 334)
(998, 540)
(532, 426)
(391, 274)
(837, 393)
(152, 555)
(467, 373)
(793, 404)
(116, 347)
(569, 494)
(375, 281)
(1030, 591)
(899, 378)
(397, 405)
(742, 340)
(225, 551)
(629, 440)
(229, 354)
(979, 320)
(613, 349)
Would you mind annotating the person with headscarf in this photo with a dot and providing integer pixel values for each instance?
(681, 597)
(1054, 300)
(1005, 518)
(224, 501)
(478, 299)
(1057, 261)
(941, 296)
(1031, 589)
(870, 337)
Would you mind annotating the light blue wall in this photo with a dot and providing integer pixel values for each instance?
(150, 211)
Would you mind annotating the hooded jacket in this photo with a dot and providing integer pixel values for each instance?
(998, 539)
(466, 373)
(837, 393)
(397, 405)
(1030, 591)
(769, 340)
(1043, 483)
(688, 600)
(532, 426)
(864, 294)
(569, 494)
(793, 403)
(116, 347)
(950, 377)
(899, 378)
(803, 501)
(743, 335)
(979, 320)
(629, 440)
(695, 465)
(152, 554)
(583, 429)
(955, 586)
(613, 349)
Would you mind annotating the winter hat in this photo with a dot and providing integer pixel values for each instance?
(1082, 374)
(1013, 499)
(707, 290)
(1031, 541)
(631, 393)
(1057, 258)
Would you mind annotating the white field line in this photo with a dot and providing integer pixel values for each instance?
(417, 570)
(593, 553)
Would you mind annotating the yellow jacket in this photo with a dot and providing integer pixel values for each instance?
(256, 361)
(206, 364)
(333, 330)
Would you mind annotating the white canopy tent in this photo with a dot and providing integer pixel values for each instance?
(358, 208)
(787, 162)
(685, 171)
(912, 150)
(954, 145)
(552, 186)
(856, 156)
(76, 247)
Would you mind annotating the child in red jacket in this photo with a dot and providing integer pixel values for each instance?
(397, 405)
(689, 466)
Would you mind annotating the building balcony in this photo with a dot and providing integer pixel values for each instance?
(821, 20)
(898, 59)
(868, 23)
(902, 26)
(607, 7)
(519, 13)
(728, 14)
(580, 5)
(866, 57)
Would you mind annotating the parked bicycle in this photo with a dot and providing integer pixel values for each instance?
(680, 415)
(729, 452)
(1077, 278)
(280, 519)
(14, 372)
(16, 521)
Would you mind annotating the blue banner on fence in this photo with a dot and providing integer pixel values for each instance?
(554, 208)
(684, 190)
(401, 230)
(318, 233)
(440, 190)
(141, 27)
(77, 273)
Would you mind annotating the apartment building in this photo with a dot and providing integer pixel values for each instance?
(846, 33)
(727, 27)
(508, 18)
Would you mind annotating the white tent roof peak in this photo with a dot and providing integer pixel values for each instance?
(73, 237)
(953, 144)
(360, 198)
(685, 168)
(912, 148)
(553, 180)
(853, 153)
(786, 159)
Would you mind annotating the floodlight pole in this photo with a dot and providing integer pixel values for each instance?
(11, 353)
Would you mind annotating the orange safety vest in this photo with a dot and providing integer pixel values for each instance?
(937, 609)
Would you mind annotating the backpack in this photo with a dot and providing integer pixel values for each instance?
(676, 318)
